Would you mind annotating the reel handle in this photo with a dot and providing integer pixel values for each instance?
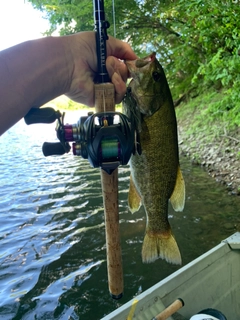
(41, 115)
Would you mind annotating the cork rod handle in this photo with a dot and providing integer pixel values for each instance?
(105, 101)
(170, 310)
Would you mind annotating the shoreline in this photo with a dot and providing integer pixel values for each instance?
(219, 155)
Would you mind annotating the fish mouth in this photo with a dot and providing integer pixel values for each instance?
(134, 65)
(137, 70)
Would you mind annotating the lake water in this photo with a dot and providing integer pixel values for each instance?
(52, 253)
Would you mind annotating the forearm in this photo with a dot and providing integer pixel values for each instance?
(34, 72)
(31, 74)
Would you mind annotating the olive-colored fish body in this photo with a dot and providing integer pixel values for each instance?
(155, 174)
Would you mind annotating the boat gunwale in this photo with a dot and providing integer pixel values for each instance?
(164, 287)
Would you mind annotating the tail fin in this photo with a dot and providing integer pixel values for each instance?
(160, 245)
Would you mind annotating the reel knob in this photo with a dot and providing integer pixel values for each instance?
(55, 148)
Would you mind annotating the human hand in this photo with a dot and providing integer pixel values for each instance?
(83, 56)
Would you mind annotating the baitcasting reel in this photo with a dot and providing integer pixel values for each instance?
(106, 139)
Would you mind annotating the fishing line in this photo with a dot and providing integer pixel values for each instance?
(114, 20)
(104, 103)
(110, 148)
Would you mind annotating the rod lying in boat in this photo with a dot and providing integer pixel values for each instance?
(170, 310)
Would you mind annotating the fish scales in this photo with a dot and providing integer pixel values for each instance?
(155, 174)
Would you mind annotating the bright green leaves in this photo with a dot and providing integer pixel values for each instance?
(197, 41)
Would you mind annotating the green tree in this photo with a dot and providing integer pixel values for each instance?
(197, 41)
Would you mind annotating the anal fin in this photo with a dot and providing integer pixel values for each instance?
(134, 199)
(178, 196)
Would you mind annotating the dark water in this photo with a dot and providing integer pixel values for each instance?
(52, 254)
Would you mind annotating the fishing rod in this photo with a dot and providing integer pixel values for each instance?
(106, 138)
(105, 101)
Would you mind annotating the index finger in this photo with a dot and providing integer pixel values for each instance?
(120, 49)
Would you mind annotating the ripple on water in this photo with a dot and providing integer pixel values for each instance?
(53, 258)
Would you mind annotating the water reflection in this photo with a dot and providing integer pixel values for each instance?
(52, 257)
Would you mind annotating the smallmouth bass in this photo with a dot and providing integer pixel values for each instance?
(155, 173)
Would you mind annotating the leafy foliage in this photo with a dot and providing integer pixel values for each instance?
(197, 41)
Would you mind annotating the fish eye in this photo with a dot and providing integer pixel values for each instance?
(156, 76)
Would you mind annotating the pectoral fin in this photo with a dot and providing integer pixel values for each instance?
(134, 199)
(178, 196)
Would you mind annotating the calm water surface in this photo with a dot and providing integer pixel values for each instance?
(52, 253)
